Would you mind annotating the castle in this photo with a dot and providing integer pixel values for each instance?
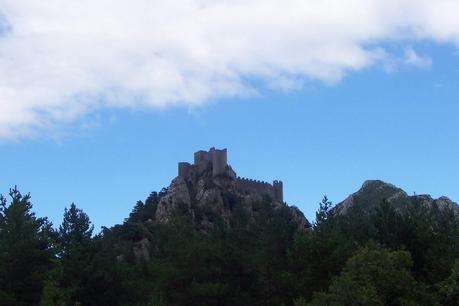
(216, 161)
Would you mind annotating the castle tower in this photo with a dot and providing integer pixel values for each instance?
(219, 161)
(278, 191)
(202, 160)
(200, 157)
(183, 169)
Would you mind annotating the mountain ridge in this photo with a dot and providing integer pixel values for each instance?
(373, 192)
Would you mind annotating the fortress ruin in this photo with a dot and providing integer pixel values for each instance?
(215, 161)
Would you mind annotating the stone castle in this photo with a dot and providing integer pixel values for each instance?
(215, 161)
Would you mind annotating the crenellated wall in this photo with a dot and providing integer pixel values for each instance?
(248, 185)
(216, 160)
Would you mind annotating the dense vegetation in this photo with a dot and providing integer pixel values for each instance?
(378, 257)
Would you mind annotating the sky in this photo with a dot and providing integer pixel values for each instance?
(99, 100)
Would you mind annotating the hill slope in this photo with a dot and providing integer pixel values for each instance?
(373, 192)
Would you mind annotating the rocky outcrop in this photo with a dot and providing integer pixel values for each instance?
(373, 192)
(211, 201)
(177, 199)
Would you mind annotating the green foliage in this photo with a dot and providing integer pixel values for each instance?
(429, 234)
(146, 211)
(374, 276)
(75, 235)
(382, 256)
(53, 295)
(240, 266)
(448, 289)
(324, 213)
(26, 251)
(316, 256)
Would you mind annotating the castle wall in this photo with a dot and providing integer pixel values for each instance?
(217, 160)
(248, 185)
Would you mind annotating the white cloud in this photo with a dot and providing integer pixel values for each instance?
(60, 59)
(414, 59)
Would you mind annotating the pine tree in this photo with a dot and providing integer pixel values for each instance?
(324, 212)
(75, 235)
(26, 251)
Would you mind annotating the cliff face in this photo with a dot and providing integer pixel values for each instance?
(373, 192)
(211, 201)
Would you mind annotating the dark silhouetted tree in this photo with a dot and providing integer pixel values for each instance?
(26, 251)
(75, 235)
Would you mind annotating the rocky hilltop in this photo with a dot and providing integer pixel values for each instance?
(209, 192)
(373, 192)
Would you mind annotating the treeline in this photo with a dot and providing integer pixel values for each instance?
(379, 257)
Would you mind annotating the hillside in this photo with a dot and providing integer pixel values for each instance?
(210, 197)
(373, 192)
(213, 238)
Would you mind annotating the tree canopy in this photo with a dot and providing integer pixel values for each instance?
(385, 256)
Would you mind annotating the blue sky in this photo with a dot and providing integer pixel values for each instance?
(359, 104)
(400, 127)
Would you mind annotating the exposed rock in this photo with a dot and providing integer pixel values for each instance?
(373, 192)
(209, 197)
(176, 200)
(444, 201)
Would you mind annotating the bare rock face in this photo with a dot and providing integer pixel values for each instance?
(373, 192)
(210, 201)
(176, 200)
(444, 201)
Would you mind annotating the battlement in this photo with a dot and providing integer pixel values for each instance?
(249, 185)
(244, 180)
(216, 161)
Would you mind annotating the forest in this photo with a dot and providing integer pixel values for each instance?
(382, 256)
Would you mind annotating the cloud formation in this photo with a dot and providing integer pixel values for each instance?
(414, 59)
(62, 59)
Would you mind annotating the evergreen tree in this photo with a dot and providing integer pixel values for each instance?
(324, 212)
(26, 251)
(259, 258)
(75, 235)
(448, 289)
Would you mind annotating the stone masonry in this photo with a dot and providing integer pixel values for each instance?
(215, 161)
